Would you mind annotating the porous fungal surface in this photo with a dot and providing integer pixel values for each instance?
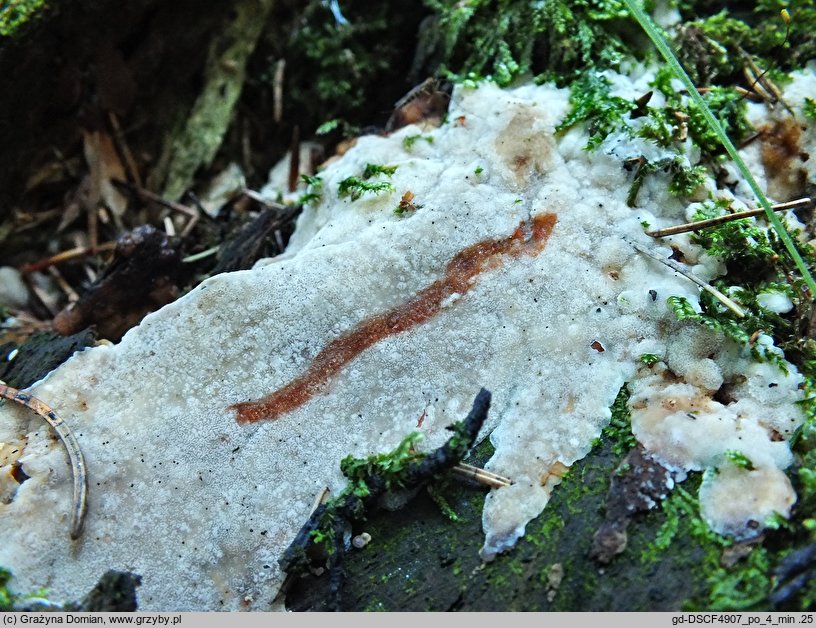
(509, 269)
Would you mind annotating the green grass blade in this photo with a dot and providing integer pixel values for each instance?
(661, 45)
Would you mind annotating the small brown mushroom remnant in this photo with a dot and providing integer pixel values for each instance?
(638, 484)
(141, 278)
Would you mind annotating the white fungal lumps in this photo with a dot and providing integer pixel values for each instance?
(200, 506)
(675, 416)
(361, 540)
(764, 492)
(777, 302)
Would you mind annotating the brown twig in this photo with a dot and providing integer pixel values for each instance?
(748, 94)
(124, 149)
(147, 195)
(93, 227)
(294, 159)
(277, 91)
(253, 195)
(801, 203)
(64, 256)
(72, 295)
(762, 83)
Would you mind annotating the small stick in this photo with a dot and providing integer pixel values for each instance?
(468, 467)
(78, 467)
(482, 476)
(255, 196)
(72, 295)
(801, 203)
(201, 211)
(64, 256)
(201, 255)
(93, 227)
(319, 499)
(294, 159)
(189, 226)
(122, 145)
(763, 81)
(691, 277)
(169, 227)
(147, 195)
(748, 94)
(246, 145)
(277, 91)
(41, 295)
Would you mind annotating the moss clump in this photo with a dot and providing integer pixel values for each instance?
(756, 261)
(355, 187)
(710, 46)
(810, 108)
(348, 70)
(684, 178)
(503, 40)
(7, 597)
(619, 430)
(372, 170)
(390, 466)
(409, 140)
(740, 459)
(16, 13)
(314, 189)
(593, 105)
(743, 586)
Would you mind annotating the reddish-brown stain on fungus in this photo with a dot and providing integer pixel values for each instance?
(528, 239)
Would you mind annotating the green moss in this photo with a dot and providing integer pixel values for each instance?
(743, 586)
(740, 329)
(740, 459)
(390, 466)
(314, 189)
(809, 108)
(503, 40)
(7, 598)
(709, 45)
(346, 73)
(757, 262)
(593, 105)
(649, 358)
(437, 491)
(372, 170)
(355, 187)
(668, 127)
(15, 13)
(619, 430)
(742, 243)
(409, 140)
(516, 567)
(684, 179)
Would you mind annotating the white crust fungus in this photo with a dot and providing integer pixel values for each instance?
(202, 507)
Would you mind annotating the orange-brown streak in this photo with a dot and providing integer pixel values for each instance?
(459, 275)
